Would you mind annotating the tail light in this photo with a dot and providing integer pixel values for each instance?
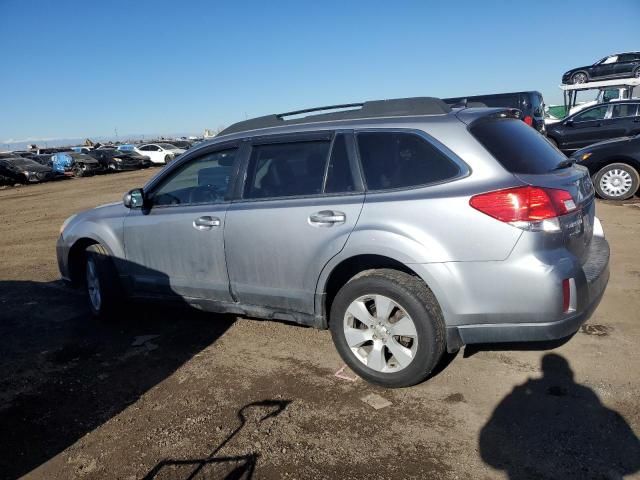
(528, 120)
(529, 208)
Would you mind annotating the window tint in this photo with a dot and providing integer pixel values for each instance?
(597, 113)
(518, 147)
(612, 59)
(339, 177)
(396, 160)
(627, 57)
(538, 105)
(202, 180)
(287, 169)
(624, 110)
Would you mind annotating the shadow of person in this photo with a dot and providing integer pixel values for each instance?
(552, 427)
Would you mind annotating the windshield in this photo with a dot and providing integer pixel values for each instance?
(24, 162)
(518, 147)
(167, 146)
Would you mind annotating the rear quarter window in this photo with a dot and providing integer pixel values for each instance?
(518, 147)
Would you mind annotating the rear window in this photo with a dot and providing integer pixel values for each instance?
(518, 147)
(401, 160)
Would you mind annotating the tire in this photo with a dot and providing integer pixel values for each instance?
(102, 280)
(579, 78)
(167, 159)
(616, 181)
(79, 171)
(410, 299)
(636, 73)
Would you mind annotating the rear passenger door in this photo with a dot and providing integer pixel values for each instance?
(301, 199)
(622, 121)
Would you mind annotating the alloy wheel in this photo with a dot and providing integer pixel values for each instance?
(616, 182)
(380, 333)
(579, 78)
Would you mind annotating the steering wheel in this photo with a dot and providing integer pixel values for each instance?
(203, 194)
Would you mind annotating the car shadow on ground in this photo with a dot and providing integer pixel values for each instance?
(553, 427)
(214, 465)
(64, 373)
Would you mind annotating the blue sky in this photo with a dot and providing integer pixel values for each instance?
(85, 68)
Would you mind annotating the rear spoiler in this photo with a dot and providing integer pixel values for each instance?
(470, 115)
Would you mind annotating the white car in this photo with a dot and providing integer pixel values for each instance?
(160, 153)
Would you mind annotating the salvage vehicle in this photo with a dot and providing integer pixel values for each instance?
(531, 104)
(404, 226)
(595, 124)
(75, 164)
(614, 166)
(113, 160)
(619, 65)
(160, 153)
(24, 170)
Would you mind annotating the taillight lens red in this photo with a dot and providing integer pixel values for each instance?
(524, 204)
(528, 120)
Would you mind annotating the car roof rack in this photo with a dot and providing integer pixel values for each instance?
(371, 109)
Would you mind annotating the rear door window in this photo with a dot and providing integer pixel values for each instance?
(287, 169)
(401, 160)
(624, 110)
(518, 147)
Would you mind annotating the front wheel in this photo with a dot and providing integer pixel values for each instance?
(388, 327)
(636, 73)
(79, 170)
(579, 78)
(617, 181)
(167, 159)
(102, 283)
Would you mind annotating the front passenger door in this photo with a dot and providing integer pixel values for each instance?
(175, 245)
(586, 128)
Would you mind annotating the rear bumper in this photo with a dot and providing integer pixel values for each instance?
(537, 322)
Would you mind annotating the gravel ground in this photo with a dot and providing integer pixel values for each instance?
(174, 394)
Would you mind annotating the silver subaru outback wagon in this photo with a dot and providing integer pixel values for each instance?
(405, 227)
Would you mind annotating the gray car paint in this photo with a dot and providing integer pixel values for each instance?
(486, 275)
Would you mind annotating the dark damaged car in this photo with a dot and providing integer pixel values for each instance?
(114, 160)
(24, 170)
(73, 164)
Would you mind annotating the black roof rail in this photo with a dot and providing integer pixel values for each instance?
(371, 109)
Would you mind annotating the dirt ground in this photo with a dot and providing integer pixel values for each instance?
(212, 396)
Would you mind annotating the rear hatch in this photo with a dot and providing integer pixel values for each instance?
(532, 159)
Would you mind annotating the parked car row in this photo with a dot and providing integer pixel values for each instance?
(40, 165)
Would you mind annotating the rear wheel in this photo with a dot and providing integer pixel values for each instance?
(388, 327)
(617, 181)
(102, 283)
(636, 73)
(579, 78)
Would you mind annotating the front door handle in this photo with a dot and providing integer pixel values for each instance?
(327, 218)
(206, 223)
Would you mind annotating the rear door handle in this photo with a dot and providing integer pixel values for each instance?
(327, 218)
(206, 223)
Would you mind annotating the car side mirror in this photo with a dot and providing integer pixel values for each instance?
(134, 198)
(569, 123)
